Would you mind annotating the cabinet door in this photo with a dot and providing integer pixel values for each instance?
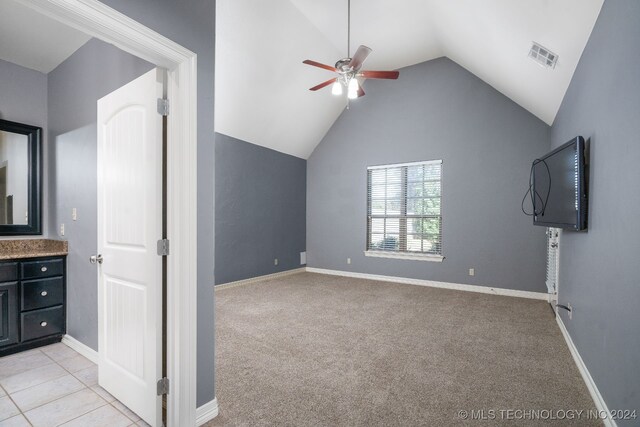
(8, 271)
(8, 313)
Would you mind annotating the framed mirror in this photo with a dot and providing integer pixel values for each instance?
(20, 179)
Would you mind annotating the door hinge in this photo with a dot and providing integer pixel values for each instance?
(163, 247)
(163, 107)
(163, 386)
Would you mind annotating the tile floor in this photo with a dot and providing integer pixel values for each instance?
(55, 386)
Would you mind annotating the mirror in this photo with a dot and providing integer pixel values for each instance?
(20, 184)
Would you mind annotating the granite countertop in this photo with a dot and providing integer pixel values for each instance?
(32, 248)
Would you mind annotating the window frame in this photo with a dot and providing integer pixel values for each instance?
(402, 253)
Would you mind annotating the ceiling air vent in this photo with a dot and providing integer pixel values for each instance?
(543, 56)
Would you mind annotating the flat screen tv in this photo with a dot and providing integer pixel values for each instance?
(559, 187)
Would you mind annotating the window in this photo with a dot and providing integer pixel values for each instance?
(404, 217)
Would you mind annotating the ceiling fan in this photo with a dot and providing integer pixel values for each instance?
(349, 69)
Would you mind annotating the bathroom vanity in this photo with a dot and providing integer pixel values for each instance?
(32, 293)
(32, 270)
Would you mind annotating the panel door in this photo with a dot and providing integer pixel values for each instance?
(129, 226)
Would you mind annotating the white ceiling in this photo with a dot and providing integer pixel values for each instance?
(35, 41)
(262, 86)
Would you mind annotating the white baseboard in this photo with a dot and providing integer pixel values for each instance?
(259, 278)
(83, 349)
(206, 412)
(434, 284)
(601, 405)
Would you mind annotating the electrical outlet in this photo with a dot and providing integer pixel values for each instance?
(62, 229)
(74, 214)
(275, 261)
(570, 311)
(348, 260)
(472, 272)
(303, 258)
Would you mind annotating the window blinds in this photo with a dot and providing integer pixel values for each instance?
(404, 208)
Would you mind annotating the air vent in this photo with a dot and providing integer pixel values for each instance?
(543, 56)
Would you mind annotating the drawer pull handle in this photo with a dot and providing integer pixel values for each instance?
(43, 269)
(43, 293)
(43, 324)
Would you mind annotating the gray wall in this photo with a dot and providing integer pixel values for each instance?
(192, 25)
(23, 94)
(436, 110)
(599, 269)
(260, 210)
(23, 99)
(92, 72)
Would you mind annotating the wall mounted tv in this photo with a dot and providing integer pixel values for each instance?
(559, 187)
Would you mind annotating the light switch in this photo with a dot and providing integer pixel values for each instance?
(62, 229)
(74, 214)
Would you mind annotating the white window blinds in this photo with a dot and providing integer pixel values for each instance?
(404, 208)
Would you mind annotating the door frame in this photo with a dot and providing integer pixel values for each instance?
(107, 24)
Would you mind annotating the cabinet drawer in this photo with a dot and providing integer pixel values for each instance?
(45, 268)
(42, 293)
(8, 271)
(40, 323)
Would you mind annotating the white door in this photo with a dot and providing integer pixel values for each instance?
(129, 226)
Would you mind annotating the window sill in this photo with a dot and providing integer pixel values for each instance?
(404, 255)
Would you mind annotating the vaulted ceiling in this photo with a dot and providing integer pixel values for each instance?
(262, 86)
(33, 40)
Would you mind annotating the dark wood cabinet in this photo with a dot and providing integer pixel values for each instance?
(8, 271)
(32, 303)
(8, 313)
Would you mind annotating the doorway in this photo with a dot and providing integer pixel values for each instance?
(97, 20)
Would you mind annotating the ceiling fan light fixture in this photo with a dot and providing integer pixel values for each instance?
(349, 69)
(352, 92)
(336, 89)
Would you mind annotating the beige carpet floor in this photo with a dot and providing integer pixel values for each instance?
(318, 350)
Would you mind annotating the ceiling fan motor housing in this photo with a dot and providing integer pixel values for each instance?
(343, 65)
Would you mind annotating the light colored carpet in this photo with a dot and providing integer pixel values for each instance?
(319, 350)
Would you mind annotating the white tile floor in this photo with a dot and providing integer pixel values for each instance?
(55, 386)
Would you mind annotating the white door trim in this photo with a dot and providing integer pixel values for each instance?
(111, 26)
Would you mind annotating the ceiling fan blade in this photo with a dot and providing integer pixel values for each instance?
(327, 83)
(359, 57)
(360, 91)
(319, 65)
(380, 74)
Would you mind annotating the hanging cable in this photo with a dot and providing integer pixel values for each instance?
(534, 195)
